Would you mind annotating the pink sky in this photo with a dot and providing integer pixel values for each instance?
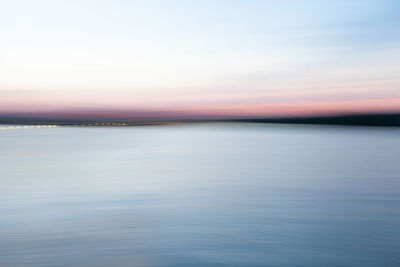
(126, 105)
(199, 58)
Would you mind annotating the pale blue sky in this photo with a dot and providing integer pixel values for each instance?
(231, 49)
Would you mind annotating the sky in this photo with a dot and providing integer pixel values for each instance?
(223, 57)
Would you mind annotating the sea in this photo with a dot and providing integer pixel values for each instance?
(210, 194)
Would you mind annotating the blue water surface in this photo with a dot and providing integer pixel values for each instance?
(200, 195)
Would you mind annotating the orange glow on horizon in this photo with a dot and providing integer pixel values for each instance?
(294, 108)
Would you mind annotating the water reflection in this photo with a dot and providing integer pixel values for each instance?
(200, 195)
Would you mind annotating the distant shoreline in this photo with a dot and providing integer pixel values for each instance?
(381, 120)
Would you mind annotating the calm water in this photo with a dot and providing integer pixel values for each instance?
(200, 195)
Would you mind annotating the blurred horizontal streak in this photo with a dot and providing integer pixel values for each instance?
(88, 125)
(26, 127)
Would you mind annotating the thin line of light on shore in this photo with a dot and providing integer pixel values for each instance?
(19, 127)
(27, 127)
